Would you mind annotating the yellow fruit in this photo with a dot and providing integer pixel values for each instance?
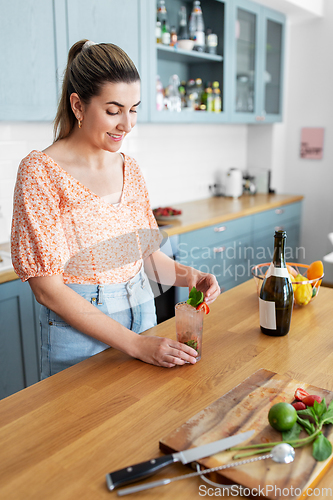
(291, 270)
(303, 294)
(299, 277)
(292, 279)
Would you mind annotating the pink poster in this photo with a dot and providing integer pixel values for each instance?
(312, 143)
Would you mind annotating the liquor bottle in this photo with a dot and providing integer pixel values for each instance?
(182, 30)
(165, 33)
(197, 27)
(276, 294)
(217, 99)
(173, 37)
(158, 32)
(207, 97)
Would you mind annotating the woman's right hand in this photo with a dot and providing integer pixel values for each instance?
(165, 352)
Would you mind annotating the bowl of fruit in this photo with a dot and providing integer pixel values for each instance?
(166, 213)
(305, 279)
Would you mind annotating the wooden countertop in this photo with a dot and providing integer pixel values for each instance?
(202, 213)
(61, 436)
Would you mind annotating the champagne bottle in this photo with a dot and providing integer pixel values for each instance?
(276, 294)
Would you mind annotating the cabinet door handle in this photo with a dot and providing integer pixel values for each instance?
(279, 228)
(219, 249)
(279, 211)
(219, 229)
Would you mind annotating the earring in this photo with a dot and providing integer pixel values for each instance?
(79, 122)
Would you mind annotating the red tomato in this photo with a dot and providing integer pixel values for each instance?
(203, 306)
(300, 394)
(309, 400)
(299, 406)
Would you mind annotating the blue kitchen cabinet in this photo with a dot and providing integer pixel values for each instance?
(286, 218)
(166, 61)
(19, 353)
(224, 250)
(28, 60)
(121, 23)
(248, 64)
(230, 249)
(256, 63)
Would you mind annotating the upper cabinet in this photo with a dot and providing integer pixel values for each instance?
(28, 88)
(114, 22)
(246, 64)
(257, 63)
(198, 66)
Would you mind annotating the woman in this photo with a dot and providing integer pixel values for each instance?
(82, 224)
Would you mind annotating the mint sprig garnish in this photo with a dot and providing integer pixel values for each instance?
(195, 297)
(321, 448)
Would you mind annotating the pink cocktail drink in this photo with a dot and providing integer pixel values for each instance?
(189, 324)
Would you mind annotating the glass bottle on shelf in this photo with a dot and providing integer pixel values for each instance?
(159, 94)
(190, 95)
(211, 42)
(161, 11)
(173, 36)
(207, 97)
(174, 101)
(162, 17)
(158, 32)
(217, 99)
(198, 93)
(182, 30)
(197, 27)
(276, 294)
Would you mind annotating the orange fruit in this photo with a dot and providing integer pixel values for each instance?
(315, 270)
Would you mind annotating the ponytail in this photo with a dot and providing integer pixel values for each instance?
(89, 67)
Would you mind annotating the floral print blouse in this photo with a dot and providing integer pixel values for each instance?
(61, 227)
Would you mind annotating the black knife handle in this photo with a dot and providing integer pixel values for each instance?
(137, 471)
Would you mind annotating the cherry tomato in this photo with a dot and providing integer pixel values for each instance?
(299, 406)
(203, 306)
(309, 400)
(300, 394)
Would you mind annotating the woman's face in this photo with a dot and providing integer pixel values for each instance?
(111, 115)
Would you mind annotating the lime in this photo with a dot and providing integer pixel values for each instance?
(282, 416)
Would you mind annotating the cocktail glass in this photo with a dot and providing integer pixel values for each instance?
(189, 324)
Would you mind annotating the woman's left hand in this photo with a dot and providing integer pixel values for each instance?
(205, 283)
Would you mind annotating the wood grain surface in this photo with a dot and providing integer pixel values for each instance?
(243, 408)
(61, 436)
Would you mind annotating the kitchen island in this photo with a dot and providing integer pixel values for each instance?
(61, 436)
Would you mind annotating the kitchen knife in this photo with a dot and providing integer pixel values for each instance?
(145, 469)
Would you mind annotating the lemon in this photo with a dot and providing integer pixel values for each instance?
(282, 416)
(303, 294)
(293, 279)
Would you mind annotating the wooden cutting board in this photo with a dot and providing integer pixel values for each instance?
(244, 408)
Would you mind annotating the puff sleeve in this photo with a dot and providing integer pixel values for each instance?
(38, 242)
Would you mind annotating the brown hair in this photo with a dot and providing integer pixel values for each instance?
(87, 71)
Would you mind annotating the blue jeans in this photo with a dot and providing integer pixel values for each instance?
(130, 303)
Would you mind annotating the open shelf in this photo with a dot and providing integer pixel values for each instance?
(185, 56)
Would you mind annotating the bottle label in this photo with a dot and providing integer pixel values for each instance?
(277, 271)
(199, 38)
(267, 314)
(166, 38)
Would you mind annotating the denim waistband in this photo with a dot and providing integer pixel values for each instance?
(124, 288)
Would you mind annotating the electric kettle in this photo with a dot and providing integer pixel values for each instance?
(234, 183)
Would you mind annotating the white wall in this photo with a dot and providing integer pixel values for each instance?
(309, 103)
(178, 161)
